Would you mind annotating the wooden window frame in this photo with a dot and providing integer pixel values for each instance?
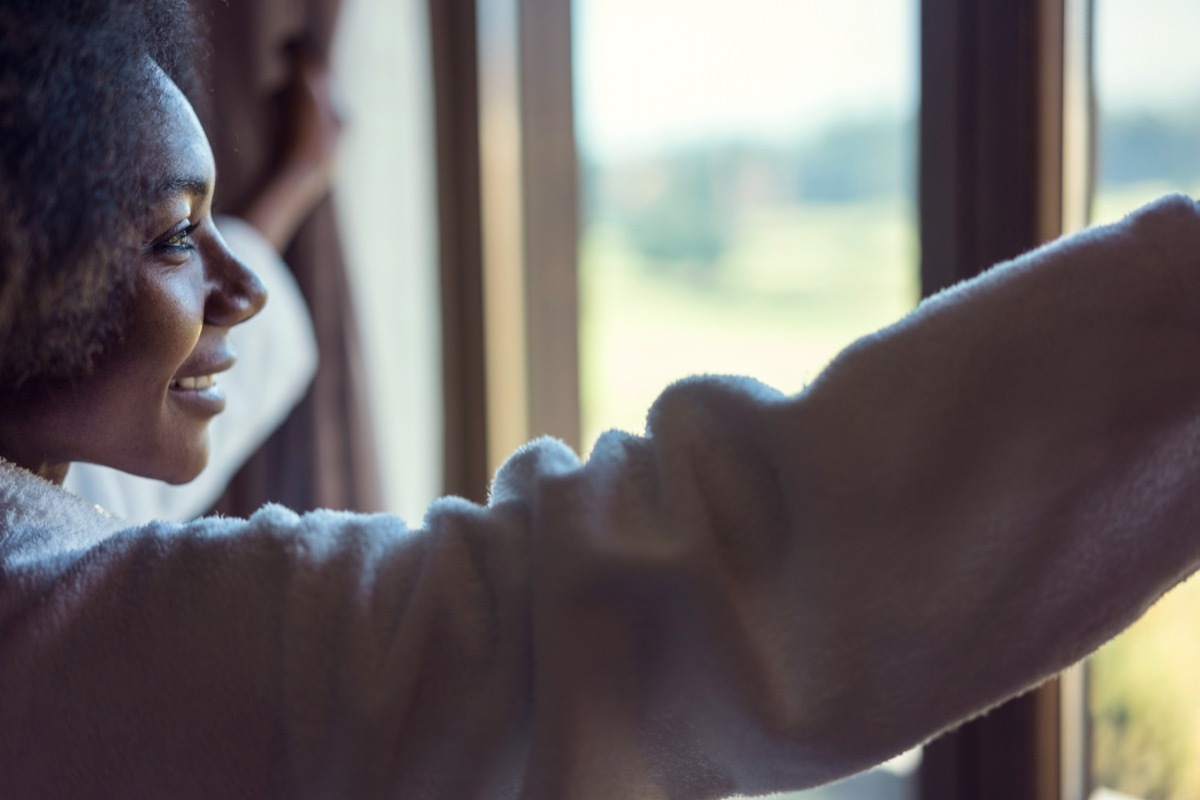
(983, 199)
(454, 59)
(530, 191)
(1006, 165)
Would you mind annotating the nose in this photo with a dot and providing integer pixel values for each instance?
(235, 294)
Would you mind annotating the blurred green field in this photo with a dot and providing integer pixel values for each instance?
(1145, 703)
(796, 286)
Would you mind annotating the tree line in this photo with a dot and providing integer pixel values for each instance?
(684, 205)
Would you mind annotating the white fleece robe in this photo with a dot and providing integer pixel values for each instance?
(762, 593)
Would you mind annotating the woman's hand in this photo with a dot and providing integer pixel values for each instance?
(306, 172)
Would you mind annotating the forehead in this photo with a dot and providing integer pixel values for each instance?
(183, 154)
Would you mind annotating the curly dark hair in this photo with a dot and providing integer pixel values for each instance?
(76, 104)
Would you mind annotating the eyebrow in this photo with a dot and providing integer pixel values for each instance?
(192, 185)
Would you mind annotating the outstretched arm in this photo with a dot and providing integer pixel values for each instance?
(780, 591)
(762, 593)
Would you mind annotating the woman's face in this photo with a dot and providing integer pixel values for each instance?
(146, 407)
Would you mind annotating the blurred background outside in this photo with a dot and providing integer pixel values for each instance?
(1144, 688)
(748, 189)
(748, 181)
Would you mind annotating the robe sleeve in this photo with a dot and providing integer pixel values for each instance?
(760, 593)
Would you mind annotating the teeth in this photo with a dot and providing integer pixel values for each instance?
(199, 383)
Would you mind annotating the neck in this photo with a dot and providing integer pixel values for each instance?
(54, 473)
(27, 451)
(46, 468)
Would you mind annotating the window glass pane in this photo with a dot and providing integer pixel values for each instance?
(1147, 83)
(386, 184)
(1144, 688)
(748, 185)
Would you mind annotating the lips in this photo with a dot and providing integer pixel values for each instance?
(200, 371)
(195, 384)
(194, 387)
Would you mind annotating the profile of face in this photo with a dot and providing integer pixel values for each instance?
(146, 407)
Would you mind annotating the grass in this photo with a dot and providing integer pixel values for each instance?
(795, 287)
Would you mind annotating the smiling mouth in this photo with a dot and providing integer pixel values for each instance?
(196, 384)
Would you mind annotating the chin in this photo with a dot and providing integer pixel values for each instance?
(181, 478)
(186, 471)
(177, 465)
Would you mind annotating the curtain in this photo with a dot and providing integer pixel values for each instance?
(322, 456)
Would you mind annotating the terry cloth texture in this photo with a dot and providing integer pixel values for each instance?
(761, 593)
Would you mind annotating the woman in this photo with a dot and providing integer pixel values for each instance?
(761, 593)
(278, 359)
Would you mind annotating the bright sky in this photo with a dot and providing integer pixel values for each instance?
(655, 72)
(1147, 53)
(650, 72)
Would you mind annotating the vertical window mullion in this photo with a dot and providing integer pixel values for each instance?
(452, 28)
(550, 169)
(990, 150)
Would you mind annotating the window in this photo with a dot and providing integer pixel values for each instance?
(748, 173)
(690, 217)
(385, 200)
(1143, 693)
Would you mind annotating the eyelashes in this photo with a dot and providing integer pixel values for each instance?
(178, 240)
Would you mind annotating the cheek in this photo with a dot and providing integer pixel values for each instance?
(121, 415)
(167, 321)
(128, 394)
(131, 422)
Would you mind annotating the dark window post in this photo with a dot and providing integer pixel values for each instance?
(988, 148)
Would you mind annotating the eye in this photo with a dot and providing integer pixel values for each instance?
(179, 239)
